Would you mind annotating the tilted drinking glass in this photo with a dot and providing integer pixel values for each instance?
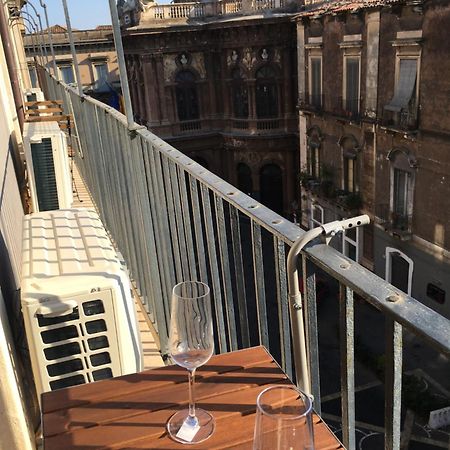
(283, 420)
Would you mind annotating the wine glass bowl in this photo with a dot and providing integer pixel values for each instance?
(191, 344)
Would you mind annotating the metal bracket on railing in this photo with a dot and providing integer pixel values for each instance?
(327, 230)
(133, 129)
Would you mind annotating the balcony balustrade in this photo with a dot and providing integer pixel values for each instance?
(405, 120)
(347, 108)
(196, 10)
(174, 220)
(312, 103)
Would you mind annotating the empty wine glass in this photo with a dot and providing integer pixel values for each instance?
(191, 344)
(283, 420)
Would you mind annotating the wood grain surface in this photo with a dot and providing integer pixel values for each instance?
(130, 412)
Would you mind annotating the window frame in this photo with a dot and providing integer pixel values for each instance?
(352, 187)
(187, 88)
(346, 57)
(312, 221)
(97, 64)
(32, 73)
(318, 57)
(388, 268)
(66, 65)
(239, 87)
(348, 241)
(270, 83)
(401, 160)
(407, 55)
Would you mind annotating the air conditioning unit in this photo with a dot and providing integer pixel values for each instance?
(79, 314)
(34, 95)
(45, 147)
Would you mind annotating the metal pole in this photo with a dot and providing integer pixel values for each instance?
(42, 30)
(35, 27)
(121, 61)
(34, 34)
(72, 48)
(50, 39)
(295, 296)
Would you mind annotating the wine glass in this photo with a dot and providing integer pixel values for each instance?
(283, 420)
(191, 344)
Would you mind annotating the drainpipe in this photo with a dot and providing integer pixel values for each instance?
(12, 66)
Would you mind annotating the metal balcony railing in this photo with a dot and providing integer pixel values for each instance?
(312, 103)
(405, 120)
(174, 220)
(348, 108)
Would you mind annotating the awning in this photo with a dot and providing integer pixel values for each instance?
(405, 86)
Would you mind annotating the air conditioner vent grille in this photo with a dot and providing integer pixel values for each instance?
(44, 173)
(76, 345)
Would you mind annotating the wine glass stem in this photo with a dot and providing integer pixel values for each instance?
(191, 375)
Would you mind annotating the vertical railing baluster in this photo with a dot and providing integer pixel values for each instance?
(239, 275)
(178, 219)
(283, 305)
(150, 237)
(126, 196)
(260, 290)
(214, 267)
(393, 384)
(347, 332)
(187, 222)
(134, 213)
(312, 331)
(198, 228)
(226, 273)
(144, 234)
(167, 186)
(158, 199)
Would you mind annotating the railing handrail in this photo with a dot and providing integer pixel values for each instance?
(406, 310)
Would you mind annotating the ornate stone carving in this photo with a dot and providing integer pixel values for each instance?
(277, 55)
(198, 63)
(233, 57)
(248, 58)
(170, 67)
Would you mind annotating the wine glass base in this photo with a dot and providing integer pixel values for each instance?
(190, 434)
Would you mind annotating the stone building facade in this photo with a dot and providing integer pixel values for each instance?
(375, 135)
(96, 57)
(221, 88)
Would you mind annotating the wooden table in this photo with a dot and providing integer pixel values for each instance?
(130, 412)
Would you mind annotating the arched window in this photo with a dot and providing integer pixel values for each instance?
(403, 166)
(266, 93)
(186, 95)
(240, 94)
(314, 139)
(244, 178)
(350, 149)
(271, 187)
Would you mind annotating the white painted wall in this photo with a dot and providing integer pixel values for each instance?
(14, 430)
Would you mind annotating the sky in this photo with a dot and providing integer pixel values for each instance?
(84, 14)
